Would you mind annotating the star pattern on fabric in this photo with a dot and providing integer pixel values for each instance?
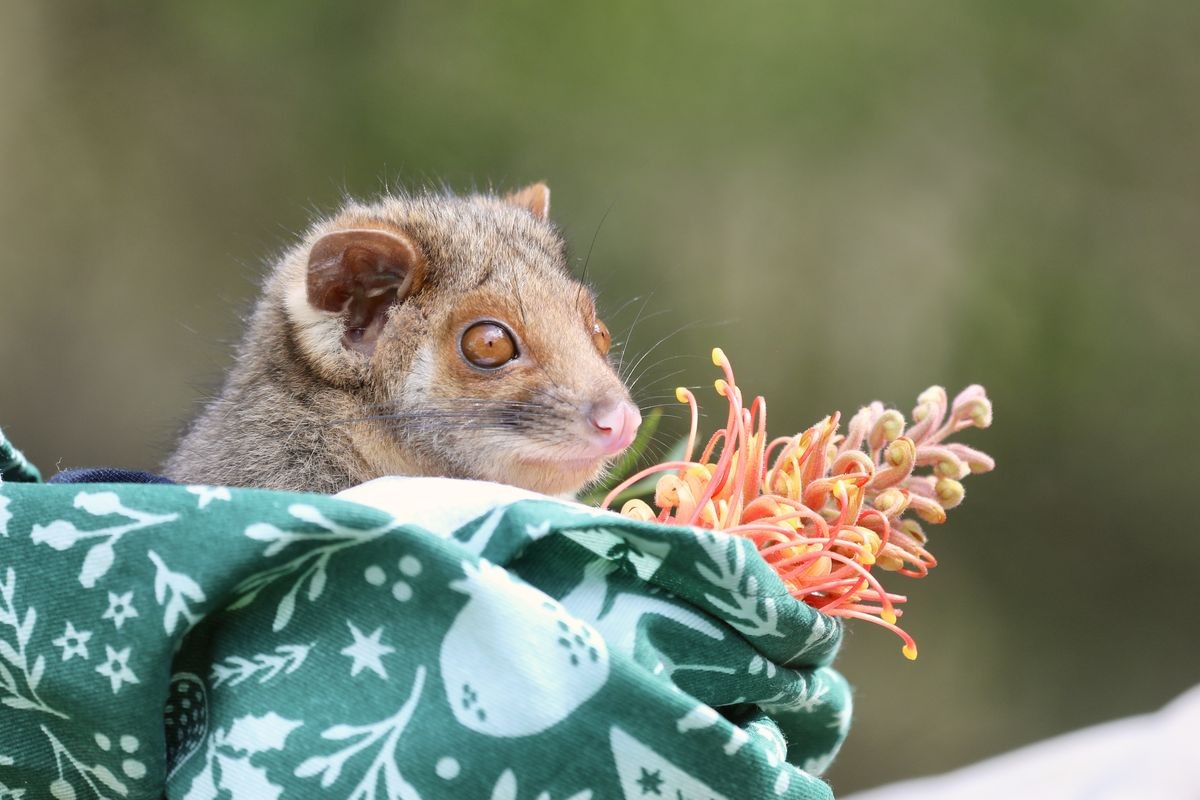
(73, 643)
(120, 608)
(367, 651)
(209, 493)
(651, 782)
(116, 668)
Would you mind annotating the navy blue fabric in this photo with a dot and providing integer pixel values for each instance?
(107, 475)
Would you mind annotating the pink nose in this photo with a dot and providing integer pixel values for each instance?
(615, 425)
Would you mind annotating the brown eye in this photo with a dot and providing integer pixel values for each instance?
(488, 345)
(601, 337)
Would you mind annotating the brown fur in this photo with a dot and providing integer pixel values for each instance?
(301, 410)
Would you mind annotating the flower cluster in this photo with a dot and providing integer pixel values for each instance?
(825, 508)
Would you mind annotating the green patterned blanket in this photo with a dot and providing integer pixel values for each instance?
(459, 640)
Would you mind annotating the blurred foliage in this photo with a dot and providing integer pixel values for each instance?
(854, 201)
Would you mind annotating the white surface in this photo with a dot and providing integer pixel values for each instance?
(440, 505)
(1148, 757)
(443, 505)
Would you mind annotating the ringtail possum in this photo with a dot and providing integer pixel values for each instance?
(422, 334)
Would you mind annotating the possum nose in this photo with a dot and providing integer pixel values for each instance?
(615, 425)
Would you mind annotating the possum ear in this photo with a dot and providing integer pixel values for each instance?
(535, 197)
(360, 274)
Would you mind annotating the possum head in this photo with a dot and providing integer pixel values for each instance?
(466, 346)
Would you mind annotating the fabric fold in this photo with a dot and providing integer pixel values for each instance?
(454, 640)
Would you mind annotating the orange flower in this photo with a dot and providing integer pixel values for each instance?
(822, 508)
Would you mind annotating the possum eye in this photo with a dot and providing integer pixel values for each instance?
(601, 337)
(488, 345)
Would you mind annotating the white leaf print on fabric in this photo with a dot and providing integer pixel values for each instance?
(179, 588)
(71, 768)
(561, 660)
(19, 679)
(617, 614)
(309, 567)
(244, 781)
(62, 534)
(771, 741)
(124, 749)
(759, 664)
(203, 787)
(840, 722)
(386, 734)
(814, 698)
(823, 630)
(698, 718)
(809, 696)
(5, 515)
(702, 717)
(227, 762)
(506, 789)
(645, 556)
(207, 494)
(286, 659)
(260, 734)
(506, 786)
(728, 554)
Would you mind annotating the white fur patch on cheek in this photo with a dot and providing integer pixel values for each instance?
(319, 332)
(420, 377)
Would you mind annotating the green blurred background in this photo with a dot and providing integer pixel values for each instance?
(854, 200)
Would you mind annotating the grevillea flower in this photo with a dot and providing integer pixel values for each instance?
(824, 509)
